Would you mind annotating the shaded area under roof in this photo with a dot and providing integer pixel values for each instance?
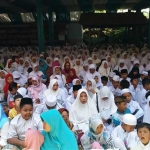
(112, 19)
(23, 6)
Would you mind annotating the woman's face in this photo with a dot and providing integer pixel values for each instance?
(9, 80)
(41, 63)
(48, 61)
(34, 82)
(95, 57)
(21, 61)
(71, 74)
(55, 86)
(83, 98)
(46, 127)
(66, 59)
(34, 60)
(78, 82)
(9, 64)
(99, 129)
(2, 75)
(65, 116)
(57, 71)
(90, 61)
(105, 65)
(26, 111)
(121, 64)
(26, 64)
(36, 68)
(89, 84)
(67, 66)
(96, 79)
(144, 135)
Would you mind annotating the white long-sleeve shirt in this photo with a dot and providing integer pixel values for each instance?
(3, 134)
(133, 106)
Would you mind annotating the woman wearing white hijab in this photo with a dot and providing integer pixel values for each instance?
(26, 66)
(81, 110)
(91, 73)
(67, 59)
(106, 104)
(8, 66)
(146, 118)
(57, 71)
(19, 78)
(121, 65)
(53, 89)
(95, 58)
(91, 88)
(104, 69)
(78, 67)
(36, 71)
(48, 61)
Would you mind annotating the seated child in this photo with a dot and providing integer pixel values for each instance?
(16, 110)
(4, 125)
(65, 115)
(124, 135)
(71, 98)
(98, 82)
(146, 117)
(115, 86)
(12, 92)
(143, 132)
(121, 104)
(8, 79)
(23, 122)
(104, 80)
(50, 103)
(110, 77)
(5, 107)
(134, 107)
(33, 142)
(124, 84)
(96, 133)
(57, 135)
(124, 75)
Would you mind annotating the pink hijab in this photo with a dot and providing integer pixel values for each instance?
(96, 145)
(35, 90)
(33, 140)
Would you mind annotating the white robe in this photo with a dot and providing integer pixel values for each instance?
(19, 126)
(116, 92)
(79, 113)
(139, 146)
(133, 106)
(122, 139)
(42, 108)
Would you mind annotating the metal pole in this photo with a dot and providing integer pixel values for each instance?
(51, 26)
(149, 28)
(40, 27)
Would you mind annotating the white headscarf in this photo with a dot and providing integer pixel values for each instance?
(22, 91)
(147, 112)
(50, 90)
(22, 79)
(109, 104)
(93, 87)
(102, 71)
(80, 113)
